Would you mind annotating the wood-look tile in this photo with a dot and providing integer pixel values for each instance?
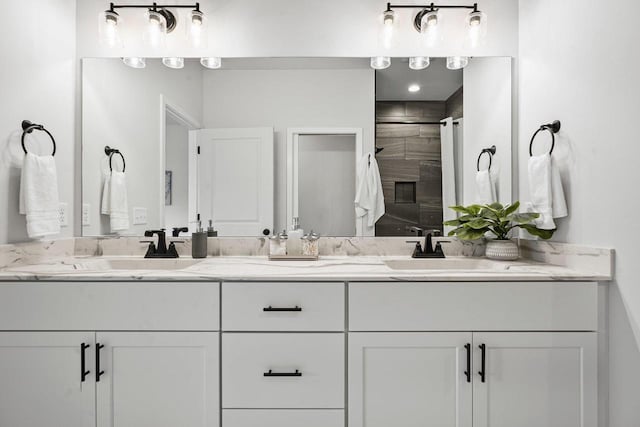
(399, 170)
(422, 148)
(430, 217)
(403, 212)
(454, 105)
(429, 131)
(390, 109)
(388, 189)
(427, 110)
(393, 148)
(397, 131)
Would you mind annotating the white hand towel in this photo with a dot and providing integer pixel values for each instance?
(39, 195)
(485, 188)
(106, 195)
(369, 199)
(118, 208)
(547, 194)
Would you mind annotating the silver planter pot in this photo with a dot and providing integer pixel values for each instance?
(502, 250)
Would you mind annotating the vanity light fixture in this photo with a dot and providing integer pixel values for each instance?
(380, 62)
(173, 62)
(419, 62)
(212, 62)
(135, 62)
(457, 62)
(160, 21)
(388, 21)
(413, 88)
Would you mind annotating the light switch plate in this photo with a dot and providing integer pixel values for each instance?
(86, 217)
(139, 216)
(63, 212)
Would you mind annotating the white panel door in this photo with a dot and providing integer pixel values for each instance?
(41, 381)
(535, 379)
(235, 179)
(409, 379)
(158, 379)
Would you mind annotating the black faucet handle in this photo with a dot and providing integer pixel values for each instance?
(177, 230)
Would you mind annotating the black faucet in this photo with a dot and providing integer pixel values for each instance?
(161, 251)
(429, 251)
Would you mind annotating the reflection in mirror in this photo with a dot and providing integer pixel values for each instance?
(264, 141)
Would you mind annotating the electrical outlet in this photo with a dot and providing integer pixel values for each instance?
(139, 216)
(86, 217)
(62, 212)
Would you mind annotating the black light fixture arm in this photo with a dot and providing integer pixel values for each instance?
(153, 6)
(431, 6)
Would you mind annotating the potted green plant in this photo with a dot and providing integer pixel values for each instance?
(476, 221)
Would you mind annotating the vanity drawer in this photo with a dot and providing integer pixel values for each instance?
(473, 306)
(283, 306)
(283, 418)
(259, 370)
(111, 306)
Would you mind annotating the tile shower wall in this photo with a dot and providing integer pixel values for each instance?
(410, 166)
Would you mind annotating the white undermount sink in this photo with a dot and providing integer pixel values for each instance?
(445, 264)
(138, 264)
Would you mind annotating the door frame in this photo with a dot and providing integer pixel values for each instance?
(292, 168)
(167, 107)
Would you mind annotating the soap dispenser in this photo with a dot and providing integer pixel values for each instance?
(210, 231)
(199, 242)
(294, 245)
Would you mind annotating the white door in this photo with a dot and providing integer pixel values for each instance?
(409, 380)
(158, 379)
(234, 179)
(535, 379)
(41, 381)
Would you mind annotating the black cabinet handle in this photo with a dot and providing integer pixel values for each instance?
(270, 373)
(296, 308)
(483, 362)
(83, 362)
(98, 371)
(467, 347)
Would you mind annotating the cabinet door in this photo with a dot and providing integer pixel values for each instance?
(409, 380)
(535, 379)
(41, 381)
(158, 379)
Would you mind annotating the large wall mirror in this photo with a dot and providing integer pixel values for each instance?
(261, 141)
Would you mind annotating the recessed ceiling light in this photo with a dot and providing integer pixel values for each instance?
(414, 88)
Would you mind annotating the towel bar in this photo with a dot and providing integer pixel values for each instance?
(553, 128)
(110, 152)
(28, 127)
(490, 151)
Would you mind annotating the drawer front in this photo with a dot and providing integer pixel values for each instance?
(473, 306)
(113, 306)
(318, 358)
(283, 418)
(283, 306)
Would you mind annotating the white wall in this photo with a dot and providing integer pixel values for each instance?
(579, 64)
(37, 83)
(121, 108)
(289, 99)
(487, 121)
(303, 28)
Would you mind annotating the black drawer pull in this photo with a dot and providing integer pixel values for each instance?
(296, 308)
(98, 371)
(297, 373)
(83, 370)
(468, 371)
(483, 362)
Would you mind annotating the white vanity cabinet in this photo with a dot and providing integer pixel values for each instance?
(407, 360)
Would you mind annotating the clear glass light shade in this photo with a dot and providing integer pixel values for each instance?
(419, 62)
(109, 24)
(212, 62)
(430, 27)
(135, 62)
(476, 28)
(155, 33)
(380, 62)
(173, 62)
(197, 29)
(386, 32)
(457, 62)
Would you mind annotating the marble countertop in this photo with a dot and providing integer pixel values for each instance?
(259, 268)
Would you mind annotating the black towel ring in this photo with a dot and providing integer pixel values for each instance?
(110, 152)
(490, 151)
(553, 128)
(28, 127)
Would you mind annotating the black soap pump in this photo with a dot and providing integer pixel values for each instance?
(210, 231)
(199, 242)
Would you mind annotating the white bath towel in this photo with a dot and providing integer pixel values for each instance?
(369, 199)
(39, 195)
(547, 194)
(485, 188)
(114, 201)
